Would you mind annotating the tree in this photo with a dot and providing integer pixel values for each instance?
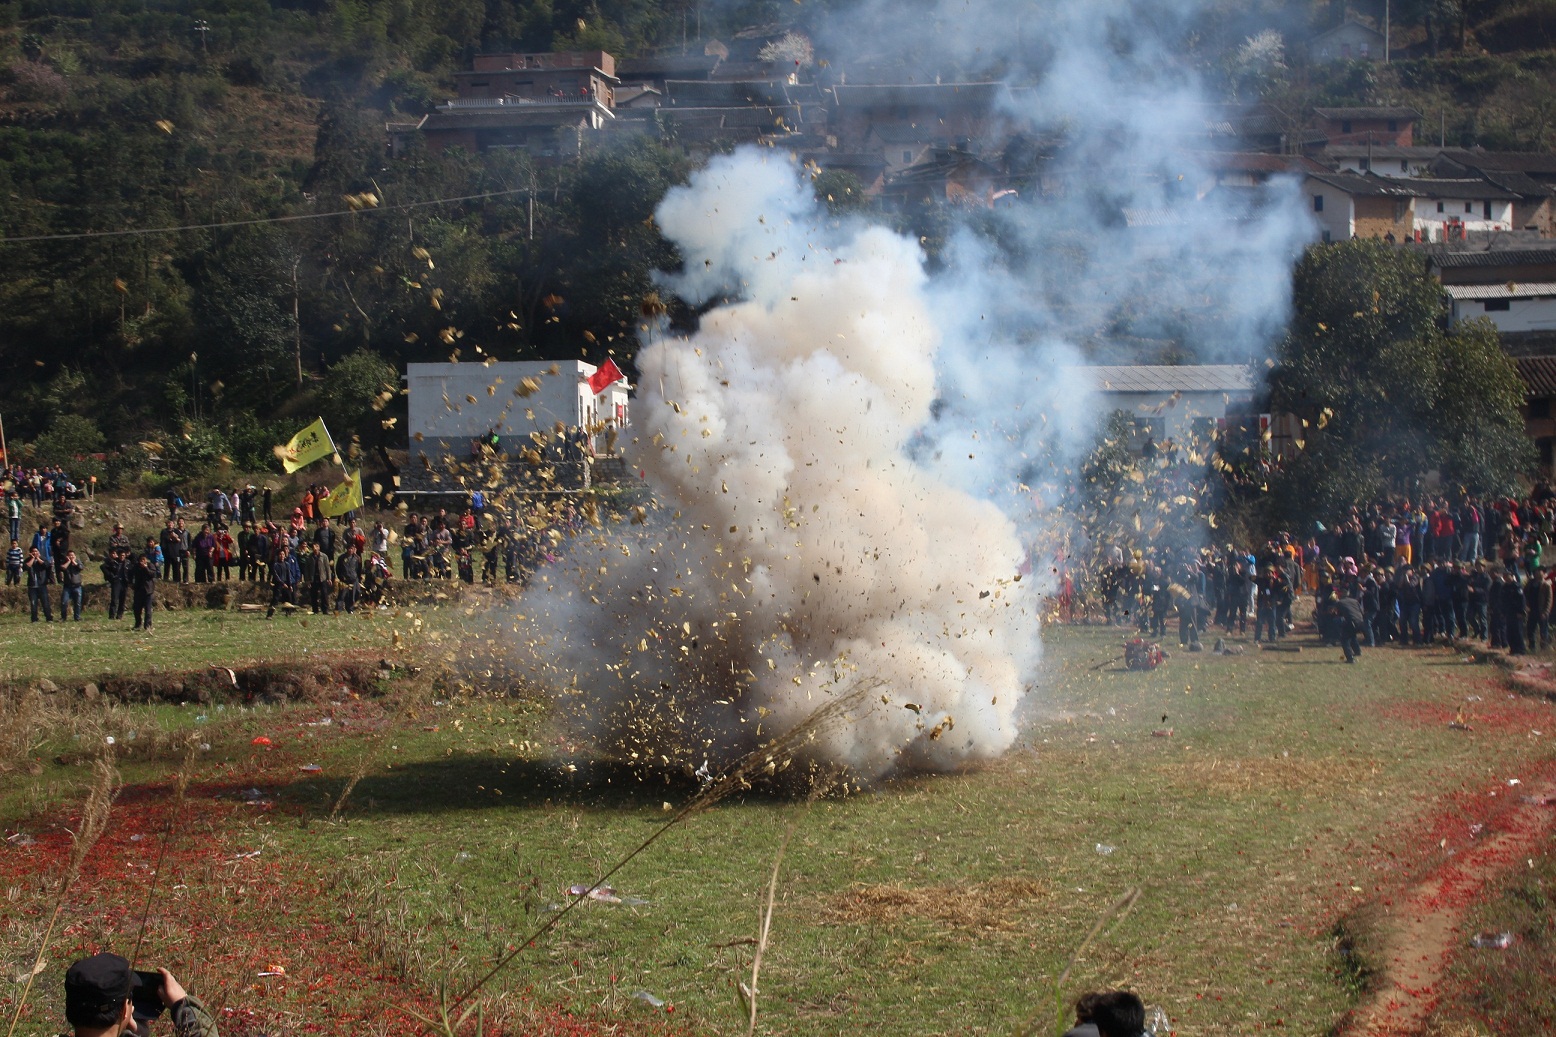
(1386, 393)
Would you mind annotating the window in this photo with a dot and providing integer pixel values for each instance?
(1439, 206)
(1364, 51)
(1404, 166)
(1488, 210)
(907, 156)
(1326, 236)
(1469, 208)
(1345, 124)
(1540, 407)
(1498, 305)
(1318, 203)
(1393, 125)
(1366, 165)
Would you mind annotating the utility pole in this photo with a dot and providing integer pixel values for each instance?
(202, 27)
(297, 325)
(1385, 32)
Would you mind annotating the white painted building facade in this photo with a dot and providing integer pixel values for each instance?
(451, 405)
(1511, 307)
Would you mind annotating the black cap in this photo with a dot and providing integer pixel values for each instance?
(96, 989)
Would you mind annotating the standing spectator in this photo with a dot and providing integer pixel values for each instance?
(204, 546)
(258, 553)
(321, 577)
(184, 546)
(324, 538)
(1270, 588)
(43, 544)
(13, 511)
(1514, 612)
(167, 547)
(174, 502)
(478, 508)
(221, 556)
(59, 544)
(1459, 599)
(1537, 598)
(348, 571)
(116, 576)
(70, 587)
(283, 581)
(39, 575)
(117, 541)
(14, 560)
(143, 582)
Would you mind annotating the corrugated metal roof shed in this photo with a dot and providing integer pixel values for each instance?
(1511, 290)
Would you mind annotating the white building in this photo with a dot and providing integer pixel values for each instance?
(1449, 210)
(1512, 307)
(1382, 159)
(451, 405)
(1183, 403)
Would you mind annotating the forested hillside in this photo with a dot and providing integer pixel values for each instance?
(120, 115)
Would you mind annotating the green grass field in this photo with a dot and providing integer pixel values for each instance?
(1291, 790)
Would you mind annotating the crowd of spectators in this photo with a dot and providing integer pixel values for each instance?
(1400, 571)
(305, 558)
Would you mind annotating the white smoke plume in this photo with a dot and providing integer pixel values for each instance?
(854, 453)
(798, 553)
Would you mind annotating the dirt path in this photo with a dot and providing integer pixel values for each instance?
(1424, 927)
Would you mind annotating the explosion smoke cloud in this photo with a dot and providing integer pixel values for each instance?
(799, 550)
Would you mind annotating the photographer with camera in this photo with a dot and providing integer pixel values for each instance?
(104, 997)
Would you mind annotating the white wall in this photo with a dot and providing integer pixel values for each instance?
(1453, 209)
(1338, 215)
(1537, 314)
(1385, 166)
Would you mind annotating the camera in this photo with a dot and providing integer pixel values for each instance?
(146, 996)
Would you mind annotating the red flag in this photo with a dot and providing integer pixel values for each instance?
(605, 377)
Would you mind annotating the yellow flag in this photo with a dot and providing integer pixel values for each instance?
(343, 498)
(306, 447)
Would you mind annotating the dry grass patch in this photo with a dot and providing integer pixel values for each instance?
(981, 905)
(1248, 774)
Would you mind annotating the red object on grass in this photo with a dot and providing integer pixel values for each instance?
(261, 740)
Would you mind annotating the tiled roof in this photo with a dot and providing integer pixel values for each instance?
(1366, 185)
(1168, 378)
(1510, 290)
(1476, 189)
(1494, 257)
(1367, 113)
(1258, 162)
(1539, 374)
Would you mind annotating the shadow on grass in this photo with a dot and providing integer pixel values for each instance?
(476, 783)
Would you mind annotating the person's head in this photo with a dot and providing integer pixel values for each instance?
(97, 994)
(1085, 1006)
(1118, 1013)
(35, 553)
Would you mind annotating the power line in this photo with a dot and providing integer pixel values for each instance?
(268, 219)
